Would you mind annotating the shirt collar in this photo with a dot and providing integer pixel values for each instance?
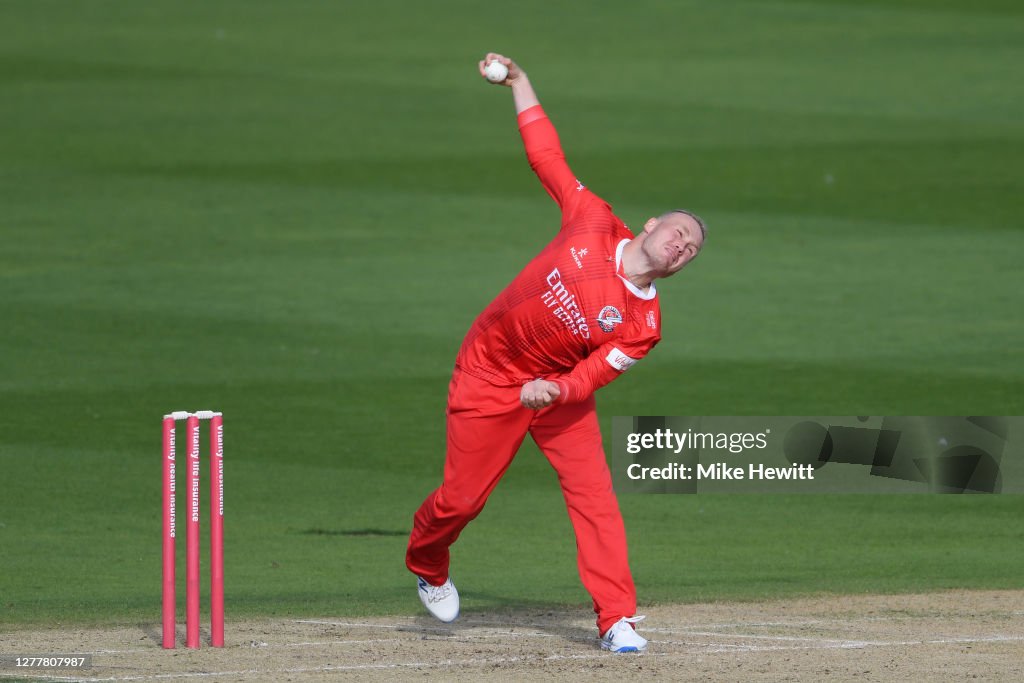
(636, 291)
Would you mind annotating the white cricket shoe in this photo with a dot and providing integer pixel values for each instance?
(622, 637)
(441, 601)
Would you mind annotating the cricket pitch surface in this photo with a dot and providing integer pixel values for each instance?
(950, 636)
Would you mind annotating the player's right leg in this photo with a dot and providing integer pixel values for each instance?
(485, 427)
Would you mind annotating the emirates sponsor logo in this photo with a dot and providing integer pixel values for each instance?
(563, 305)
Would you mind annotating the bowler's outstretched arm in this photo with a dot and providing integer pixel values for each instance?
(522, 91)
(543, 149)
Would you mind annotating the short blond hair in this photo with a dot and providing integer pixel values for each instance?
(695, 217)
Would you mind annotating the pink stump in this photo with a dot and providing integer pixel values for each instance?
(217, 530)
(169, 606)
(192, 526)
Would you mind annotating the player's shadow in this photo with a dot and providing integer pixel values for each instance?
(154, 632)
(560, 625)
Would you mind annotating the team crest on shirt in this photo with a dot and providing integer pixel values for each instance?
(651, 322)
(608, 318)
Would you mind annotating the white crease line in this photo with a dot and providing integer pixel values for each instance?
(253, 645)
(838, 642)
(757, 624)
(719, 648)
(448, 637)
(326, 643)
(579, 625)
(454, 631)
(728, 647)
(842, 642)
(411, 627)
(860, 644)
(150, 677)
(964, 639)
(461, 625)
(49, 677)
(453, 638)
(511, 660)
(470, 637)
(714, 634)
(361, 667)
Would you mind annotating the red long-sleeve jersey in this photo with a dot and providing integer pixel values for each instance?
(570, 316)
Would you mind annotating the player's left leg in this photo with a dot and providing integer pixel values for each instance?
(570, 437)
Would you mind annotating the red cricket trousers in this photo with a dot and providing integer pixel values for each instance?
(486, 426)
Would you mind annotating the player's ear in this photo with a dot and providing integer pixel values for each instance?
(649, 225)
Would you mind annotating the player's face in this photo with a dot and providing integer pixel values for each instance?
(672, 241)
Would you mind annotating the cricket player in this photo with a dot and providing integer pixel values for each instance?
(580, 314)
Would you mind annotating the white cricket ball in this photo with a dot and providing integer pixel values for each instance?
(496, 72)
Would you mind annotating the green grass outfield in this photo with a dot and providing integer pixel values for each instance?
(292, 212)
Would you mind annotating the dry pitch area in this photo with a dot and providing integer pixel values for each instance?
(955, 636)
